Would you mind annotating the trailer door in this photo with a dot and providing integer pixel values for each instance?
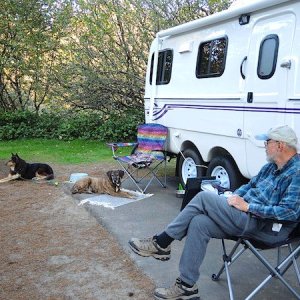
(266, 71)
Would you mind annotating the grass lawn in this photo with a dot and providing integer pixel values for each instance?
(56, 151)
(65, 152)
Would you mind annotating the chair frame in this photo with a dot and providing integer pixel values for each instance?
(132, 173)
(254, 246)
(151, 168)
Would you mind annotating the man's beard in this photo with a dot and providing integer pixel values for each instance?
(270, 159)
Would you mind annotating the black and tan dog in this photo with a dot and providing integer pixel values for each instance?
(110, 184)
(20, 169)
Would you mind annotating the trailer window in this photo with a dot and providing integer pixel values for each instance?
(211, 58)
(164, 67)
(268, 56)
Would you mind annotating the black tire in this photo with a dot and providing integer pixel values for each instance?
(187, 166)
(225, 170)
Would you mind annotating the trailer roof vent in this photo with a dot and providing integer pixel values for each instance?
(244, 19)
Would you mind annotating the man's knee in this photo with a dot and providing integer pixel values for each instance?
(198, 197)
(203, 225)
(200, 223)
(204, 199)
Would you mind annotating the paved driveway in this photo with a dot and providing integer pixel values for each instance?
(149, 216)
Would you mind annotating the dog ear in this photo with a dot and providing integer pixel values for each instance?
(108, 173)
(121, 173)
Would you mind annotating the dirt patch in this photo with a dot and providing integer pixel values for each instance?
(52, 249)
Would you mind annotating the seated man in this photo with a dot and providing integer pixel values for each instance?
(273, 193)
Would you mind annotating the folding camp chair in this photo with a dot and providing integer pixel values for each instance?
(293, 246)
(148, 153)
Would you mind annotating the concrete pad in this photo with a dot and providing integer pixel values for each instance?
(149, 216)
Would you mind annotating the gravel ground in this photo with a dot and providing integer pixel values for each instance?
(51, 248)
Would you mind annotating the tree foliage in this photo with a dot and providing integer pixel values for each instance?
(30, 35)
(83, 54)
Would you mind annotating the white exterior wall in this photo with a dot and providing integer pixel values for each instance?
(213, 113)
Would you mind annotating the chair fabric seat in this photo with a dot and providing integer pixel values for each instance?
(139, 160)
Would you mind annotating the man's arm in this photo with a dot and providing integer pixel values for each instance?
(287, 209)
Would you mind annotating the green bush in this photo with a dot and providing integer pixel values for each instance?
(120, 127)
(70, 125)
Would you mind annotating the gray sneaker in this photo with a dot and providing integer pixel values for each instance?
(177, 292)
(149, 247)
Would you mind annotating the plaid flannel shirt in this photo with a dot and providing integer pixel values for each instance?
(274, 193)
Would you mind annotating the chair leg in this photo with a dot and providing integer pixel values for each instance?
(153, 172)
(154, 177)
(129, 175)
(277, 272)
(165, 172)
(295, 264)
(274, 272)
(231, 296)
(137, 180)
(227, 261)
(229, 258)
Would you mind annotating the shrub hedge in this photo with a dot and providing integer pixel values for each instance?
(70, 125)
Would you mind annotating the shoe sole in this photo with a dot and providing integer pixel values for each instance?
(145, 254)
(181, 298)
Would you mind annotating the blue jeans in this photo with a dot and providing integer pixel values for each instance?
(209, 216)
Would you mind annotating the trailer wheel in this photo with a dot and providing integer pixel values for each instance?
(226, 171)
(189, 164)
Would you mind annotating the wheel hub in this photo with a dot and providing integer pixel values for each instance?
(189, 169)
(221, 174)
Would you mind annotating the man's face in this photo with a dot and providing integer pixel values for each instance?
(271, 150)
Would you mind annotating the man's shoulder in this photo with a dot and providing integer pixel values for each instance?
(294, 166)
(296, 161)
(297, 157)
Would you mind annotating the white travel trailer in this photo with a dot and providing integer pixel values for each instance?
(221, 80)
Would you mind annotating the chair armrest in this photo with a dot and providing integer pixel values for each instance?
(114, 146)
(134, 148)
(121, 144)
(273, 220)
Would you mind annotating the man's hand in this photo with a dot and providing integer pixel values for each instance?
(238, 202)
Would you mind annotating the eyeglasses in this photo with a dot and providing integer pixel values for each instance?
(267, 142)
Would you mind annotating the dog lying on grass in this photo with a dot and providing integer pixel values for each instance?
(110, 184)
(20, 169)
